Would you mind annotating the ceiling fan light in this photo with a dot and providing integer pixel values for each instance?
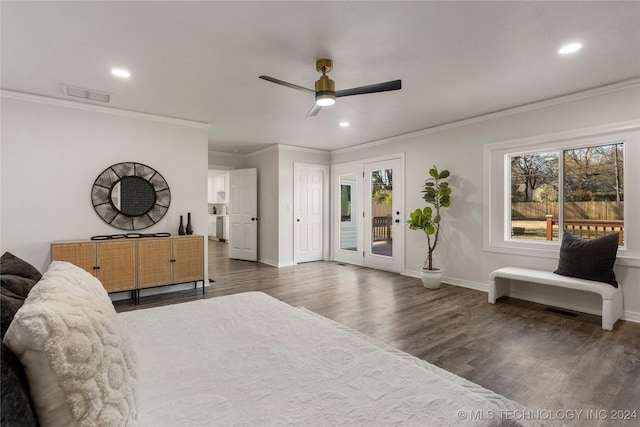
(325, 91)
(324, 99)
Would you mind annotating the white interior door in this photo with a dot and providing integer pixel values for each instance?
(384, 215)
(243, 214)
(308, 213)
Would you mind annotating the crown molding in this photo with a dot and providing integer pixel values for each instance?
(225, 154)
(29, 97)
(498, 114)
(262, 150)
(303, 149)
(288, 148)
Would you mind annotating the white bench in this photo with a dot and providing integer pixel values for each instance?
(611, 297)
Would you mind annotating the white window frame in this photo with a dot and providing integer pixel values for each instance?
(497, 188)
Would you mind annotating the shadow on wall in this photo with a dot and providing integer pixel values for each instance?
(462, 217)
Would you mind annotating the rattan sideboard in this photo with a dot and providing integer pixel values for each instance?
(131, 264)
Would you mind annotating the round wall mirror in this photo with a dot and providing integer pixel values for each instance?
(130, 196)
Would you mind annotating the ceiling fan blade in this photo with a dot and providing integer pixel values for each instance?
(314, 111)
(291, 85)
(378, 87)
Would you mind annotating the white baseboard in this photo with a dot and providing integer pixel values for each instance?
(453, 281)
(411, 273)
(631, 316)
(286, 264)
(268, 262)
(275, 263)
(466, 284)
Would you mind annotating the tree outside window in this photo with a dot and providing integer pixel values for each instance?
(592, 192)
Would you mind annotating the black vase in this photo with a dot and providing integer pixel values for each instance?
(189, 226)
(181, 228)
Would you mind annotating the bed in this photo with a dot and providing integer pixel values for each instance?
(244, 360)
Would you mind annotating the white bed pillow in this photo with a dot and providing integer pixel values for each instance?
(79, 362)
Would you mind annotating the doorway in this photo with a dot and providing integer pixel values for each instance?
(369, 213)
(243, 214)
(310, 230)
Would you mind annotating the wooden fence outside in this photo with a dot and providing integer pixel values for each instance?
(380, 209)
(605, 211)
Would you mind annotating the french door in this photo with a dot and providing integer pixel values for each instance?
(369, 219)
(347, 213)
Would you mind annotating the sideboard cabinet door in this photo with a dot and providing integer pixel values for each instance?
(80, 254)
(117, 265)
(113, 263)
(188, 254)
(154, 262)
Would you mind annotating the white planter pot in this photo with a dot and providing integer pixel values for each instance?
(431, 279)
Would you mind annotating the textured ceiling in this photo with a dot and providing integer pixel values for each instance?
(201, 60)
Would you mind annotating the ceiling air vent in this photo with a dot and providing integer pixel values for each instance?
(81, 94)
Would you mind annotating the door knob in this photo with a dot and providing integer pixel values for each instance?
(298, 220)
(398, 221)
(254, 219)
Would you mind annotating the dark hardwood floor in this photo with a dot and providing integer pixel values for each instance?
(545, 360)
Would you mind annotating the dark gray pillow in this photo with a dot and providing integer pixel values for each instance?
(19, 286)
(9, 305)
(590, 259)
(11, 264)
(17, 407)
(17, 277)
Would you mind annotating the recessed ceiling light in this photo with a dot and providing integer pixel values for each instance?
(119, 72)
(570, 48)
(344, 124)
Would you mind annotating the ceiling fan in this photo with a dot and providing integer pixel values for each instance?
(326, 93)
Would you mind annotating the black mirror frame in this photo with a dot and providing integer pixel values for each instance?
(104, 207)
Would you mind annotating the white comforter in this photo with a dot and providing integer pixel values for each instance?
(251, 360)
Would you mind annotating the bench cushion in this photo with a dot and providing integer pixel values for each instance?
(590, 259)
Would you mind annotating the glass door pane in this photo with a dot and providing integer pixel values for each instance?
(381, 212)
(383, 215)
(348, 208)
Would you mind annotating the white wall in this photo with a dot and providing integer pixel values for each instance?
(266, 161)
(459, 148)
(275, 198)
(218, 160)
(52, 152)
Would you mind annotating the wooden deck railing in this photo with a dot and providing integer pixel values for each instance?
(381, 228)
(586, 228)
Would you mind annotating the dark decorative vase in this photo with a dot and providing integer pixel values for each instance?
(181, 228)
(189, 226)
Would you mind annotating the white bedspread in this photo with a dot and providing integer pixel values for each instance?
(251, 360)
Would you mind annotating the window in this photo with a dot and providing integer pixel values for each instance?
(345, 203)
(590, 204)
(576, 182)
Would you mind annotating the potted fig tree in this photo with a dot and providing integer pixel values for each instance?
(436, 192)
